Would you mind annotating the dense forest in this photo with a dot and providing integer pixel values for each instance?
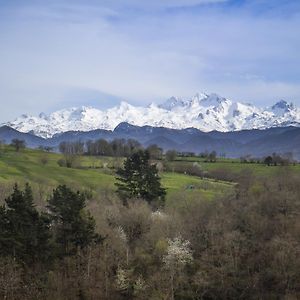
(128, 244)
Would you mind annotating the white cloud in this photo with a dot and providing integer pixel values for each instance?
(50, 52)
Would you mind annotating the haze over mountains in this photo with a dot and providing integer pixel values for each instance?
(204, 112)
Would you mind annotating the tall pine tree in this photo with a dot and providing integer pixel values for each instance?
(139, 179)
(24, 233)
(72, 225)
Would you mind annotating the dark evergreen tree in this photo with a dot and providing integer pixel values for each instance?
(4, 233)
(139, 179)
(73, 226)
(24, 232)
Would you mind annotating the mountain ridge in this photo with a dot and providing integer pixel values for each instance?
(258, 143)
(206, 112)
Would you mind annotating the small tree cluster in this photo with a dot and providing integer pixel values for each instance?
(71, 152)
(34, 238)
(116, 147)
(277, 159)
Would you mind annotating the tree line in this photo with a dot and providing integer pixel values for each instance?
(102, 147)
(124, 148)
(275, 159)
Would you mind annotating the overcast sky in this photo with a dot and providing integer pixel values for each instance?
(61, 53)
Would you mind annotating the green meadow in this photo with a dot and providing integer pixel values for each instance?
(229, 165)
(94, 174)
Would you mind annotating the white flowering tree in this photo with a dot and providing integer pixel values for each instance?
(122, 279)
(178, 255)
(139, 287)
(122, 235)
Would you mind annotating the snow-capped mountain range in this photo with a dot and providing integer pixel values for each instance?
(203, 111)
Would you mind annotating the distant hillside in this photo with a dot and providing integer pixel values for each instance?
(7, 134)
(233, 144)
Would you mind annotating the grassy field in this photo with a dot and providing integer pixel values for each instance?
(182, 189)
(231, 165)
(92, 174)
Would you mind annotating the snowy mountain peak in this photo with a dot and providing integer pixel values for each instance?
(25, 116)
(206, 112)
(172, 103)
(213, 100)
(124, 104)
(43, 116)
(200, 99)
(283, 105)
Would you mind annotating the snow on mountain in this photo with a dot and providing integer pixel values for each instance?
(282, 107)
(203, 111)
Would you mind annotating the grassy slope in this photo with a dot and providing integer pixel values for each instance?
(232, 165)
(26, 166)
